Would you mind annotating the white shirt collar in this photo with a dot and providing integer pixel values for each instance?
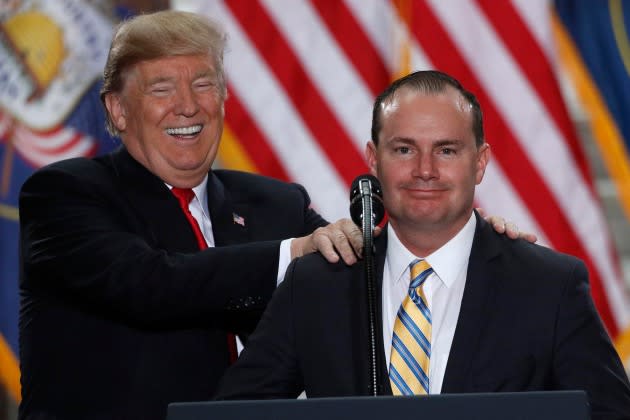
(447, 261)
(201, 193)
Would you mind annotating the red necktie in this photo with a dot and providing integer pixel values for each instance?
(184, 197)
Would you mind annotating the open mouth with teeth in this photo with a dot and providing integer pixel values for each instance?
(192, 130)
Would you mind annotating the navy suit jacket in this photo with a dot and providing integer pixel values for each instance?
(120, 312)
(526, 323)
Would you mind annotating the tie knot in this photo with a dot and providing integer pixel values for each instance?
(184, 195)
(420, 270)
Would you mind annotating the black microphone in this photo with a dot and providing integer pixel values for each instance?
(368, 187)
(367, 211)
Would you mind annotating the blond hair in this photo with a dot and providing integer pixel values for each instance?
(162, 34)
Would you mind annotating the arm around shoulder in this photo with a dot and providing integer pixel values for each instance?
(83, 242)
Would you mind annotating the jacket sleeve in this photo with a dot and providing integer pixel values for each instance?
(79, 246)
(268, 367)
(584, 357)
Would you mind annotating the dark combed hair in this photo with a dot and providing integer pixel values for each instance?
(428, 82)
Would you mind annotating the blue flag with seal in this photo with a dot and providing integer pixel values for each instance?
(594, 48)
(52, 55)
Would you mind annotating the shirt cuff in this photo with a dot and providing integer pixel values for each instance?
(285, 259)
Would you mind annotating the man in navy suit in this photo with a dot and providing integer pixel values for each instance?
(498, 315)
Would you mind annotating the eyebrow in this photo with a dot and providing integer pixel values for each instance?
(438, 143)
(404, 140)
(448, 142)
(162, 79)
(159, 79)
(205, 73)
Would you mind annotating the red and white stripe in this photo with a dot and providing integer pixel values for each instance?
(40, 148)
(303, 75)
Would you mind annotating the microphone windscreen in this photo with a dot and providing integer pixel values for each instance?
(356, 207)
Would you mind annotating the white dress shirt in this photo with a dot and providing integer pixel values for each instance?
(444, 290)
(198, 207)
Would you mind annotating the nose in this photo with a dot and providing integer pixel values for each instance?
(186, 102)
(425, 167)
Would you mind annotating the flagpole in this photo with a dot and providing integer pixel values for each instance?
(405, 12)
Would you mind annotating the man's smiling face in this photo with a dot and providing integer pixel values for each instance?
(170, 116)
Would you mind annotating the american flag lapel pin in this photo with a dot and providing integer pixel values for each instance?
(239, 220)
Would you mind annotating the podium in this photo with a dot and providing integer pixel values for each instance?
(547, 405)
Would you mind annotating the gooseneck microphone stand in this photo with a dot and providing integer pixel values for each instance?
(367, 210)
(370, 281)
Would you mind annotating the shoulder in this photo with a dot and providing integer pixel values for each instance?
(538, 257)
(254, 187)
(520, 258)
(519, 250)
(83, 170)
(80, 165)
(312, 273)
(249, 181)
(315, 263)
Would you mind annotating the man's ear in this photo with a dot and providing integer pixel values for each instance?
(370, 157)
(483, 157)
(116, 111)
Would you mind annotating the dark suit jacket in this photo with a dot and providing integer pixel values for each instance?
(527, 322)
(120, 312)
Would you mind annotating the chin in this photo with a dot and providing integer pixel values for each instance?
(191, 166)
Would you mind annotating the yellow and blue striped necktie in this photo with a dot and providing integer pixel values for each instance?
(411, 341)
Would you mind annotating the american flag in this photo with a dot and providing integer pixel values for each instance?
(303, 76)
(239, 220)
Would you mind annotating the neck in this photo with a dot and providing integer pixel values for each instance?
(424, 240)
(184, 182)
(180, 178)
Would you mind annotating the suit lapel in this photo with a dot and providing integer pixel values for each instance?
(477, 304)
(148, 195)
(229, 215)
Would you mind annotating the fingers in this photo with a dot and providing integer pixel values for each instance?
(482, 212)
(497, 222)
(340, 239)
(318, 241)
(323, 243)
(510, 229)
(513, 232)
(529, 237)
(353, 235)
